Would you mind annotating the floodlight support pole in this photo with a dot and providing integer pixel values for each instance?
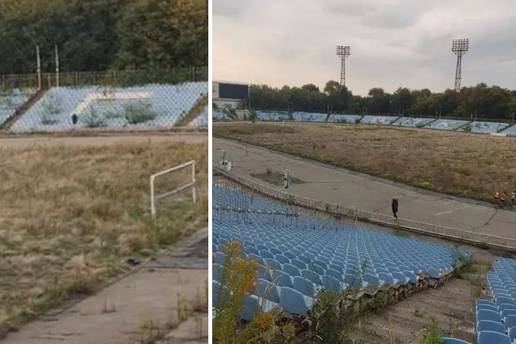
(38, 66)
(343, 70)
(458, 73)
(57, 64)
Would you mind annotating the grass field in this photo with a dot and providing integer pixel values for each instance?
(72, 215)
(466, 165)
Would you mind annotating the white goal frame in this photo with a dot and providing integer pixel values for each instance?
(192, 184)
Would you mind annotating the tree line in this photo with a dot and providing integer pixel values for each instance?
(97, 35)
(480, 101)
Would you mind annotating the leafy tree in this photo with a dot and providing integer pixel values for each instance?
(102, 34)
(480, 101)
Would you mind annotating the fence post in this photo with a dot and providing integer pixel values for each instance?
(194, 188)
(152, 201)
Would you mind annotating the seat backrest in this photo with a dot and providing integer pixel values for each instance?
(510, 321)
(304, 286)
(267, 290)
(488, 315)
(447, 340)
(490, 337)
(293, 301)
(488, 325)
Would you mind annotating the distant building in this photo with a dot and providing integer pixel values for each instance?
(230, 95)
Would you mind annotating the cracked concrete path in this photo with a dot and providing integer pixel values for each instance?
(117, 314)
(340, 186)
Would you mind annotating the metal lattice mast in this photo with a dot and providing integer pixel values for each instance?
(459, 48)
(343, 52)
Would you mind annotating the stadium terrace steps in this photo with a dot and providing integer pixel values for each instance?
(22, 103)
(197, 111)
(299, 256)
(496, 316)
(201, 120)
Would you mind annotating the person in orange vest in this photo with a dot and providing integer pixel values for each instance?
(502, 199)
(497, 197)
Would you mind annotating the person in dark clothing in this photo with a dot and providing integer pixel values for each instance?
(394, 206)
(74, 119)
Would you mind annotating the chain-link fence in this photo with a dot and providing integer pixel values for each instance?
(134, 99)
(456, 234)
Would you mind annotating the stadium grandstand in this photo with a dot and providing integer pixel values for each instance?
(447, 124)
(299, 255)
(99, 100)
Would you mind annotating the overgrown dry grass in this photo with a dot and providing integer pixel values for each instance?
(71, 215)
(466, 165)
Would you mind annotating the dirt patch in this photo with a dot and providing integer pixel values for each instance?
(73, 215)
(465, 165)
(276, 178)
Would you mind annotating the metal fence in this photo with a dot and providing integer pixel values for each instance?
(452, 233)
(129, 99)
(189, 183)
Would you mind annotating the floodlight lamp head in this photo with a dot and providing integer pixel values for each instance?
(343, 50)
(460, 46)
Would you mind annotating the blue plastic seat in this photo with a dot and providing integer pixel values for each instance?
(282, 259)
(265, 273)
(510, 321)
(332, 284)
(304, 286)
(508, 311)
(215, 287)
(311, 276)
(251, 307)
(372, 280)
(488, 325)
(281, 279)
(217, 272)
(490, 337)
(291, 270)
(489, 315)
(272, 263)
(219, 258)
(448, 340)
(267, 290)
(294, 302)
(512, 333)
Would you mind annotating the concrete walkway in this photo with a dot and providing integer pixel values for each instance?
(121, 313)
(336, 185)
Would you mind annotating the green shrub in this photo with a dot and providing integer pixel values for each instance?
(51, 105)
(139, 112)
(432, 333)
(93, 119)
(48, 119)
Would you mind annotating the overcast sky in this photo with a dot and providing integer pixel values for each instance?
(393, 42)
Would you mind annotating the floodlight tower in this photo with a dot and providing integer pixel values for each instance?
(343, 51)
(459, 48)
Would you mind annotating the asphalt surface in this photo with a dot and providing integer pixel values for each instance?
(117, 314)
(350, 189)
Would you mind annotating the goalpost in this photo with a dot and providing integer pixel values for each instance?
(154, 197)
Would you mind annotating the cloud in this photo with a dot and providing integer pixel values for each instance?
(393, 42)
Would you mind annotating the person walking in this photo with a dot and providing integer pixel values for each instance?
(497, 197)
(513, 198)
(394, 206)
(502, 199)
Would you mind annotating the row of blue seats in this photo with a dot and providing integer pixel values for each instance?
(167, 103)
(403, 121)
(496, 317)
(298, 258)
